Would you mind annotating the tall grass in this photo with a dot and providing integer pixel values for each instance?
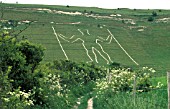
(156, 99)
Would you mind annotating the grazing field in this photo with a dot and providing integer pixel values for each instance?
(96, 35)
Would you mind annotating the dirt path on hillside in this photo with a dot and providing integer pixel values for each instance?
(90, 103)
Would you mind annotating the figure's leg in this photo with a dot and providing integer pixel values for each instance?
(103, 53)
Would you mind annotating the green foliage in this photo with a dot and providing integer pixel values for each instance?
(22, 57)
(116, 92)
(160, 10)
(154, 14)
(8, 24)
(33, 53)
(59, 84)
(156, 99)
(85, 11)
(123, 80)
(115, 65)
(17, 99)
(77, 73)
(63, 82)
(9, 55)
(5, 85)
(150, 19)
(67, 6)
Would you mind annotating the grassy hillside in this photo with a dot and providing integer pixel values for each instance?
(145, 42)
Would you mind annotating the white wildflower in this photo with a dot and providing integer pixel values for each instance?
(6, 99)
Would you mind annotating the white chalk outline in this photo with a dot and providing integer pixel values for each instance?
(80, 32)
(61, 36)
(93, 48)
(87, 52)
(103, 51)
(106, 38)
(60, 44)
(88, 32)
(72, 37)
(122, 47)
(101, 38)
(95, 56)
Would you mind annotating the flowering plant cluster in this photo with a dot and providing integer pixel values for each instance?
(19, 99)
(125, 80)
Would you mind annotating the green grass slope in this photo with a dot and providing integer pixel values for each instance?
(146, 42)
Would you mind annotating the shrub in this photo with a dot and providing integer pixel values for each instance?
(160, 10)
(150, 19)
(154, 14)
(18, 99)
(22, 57)
(123, 80)
(98, 26)
(85, 11)
(5, 86)
(77, 73)
(64, 81)
(33, 53)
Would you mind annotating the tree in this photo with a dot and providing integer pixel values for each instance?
(22, 57)
(33, 53)
(67, 6)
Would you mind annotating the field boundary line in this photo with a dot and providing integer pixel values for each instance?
(122, 47)
(60, 43)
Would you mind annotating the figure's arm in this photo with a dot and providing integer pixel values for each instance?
(108, 39)
(68, 39)
(101, 38)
